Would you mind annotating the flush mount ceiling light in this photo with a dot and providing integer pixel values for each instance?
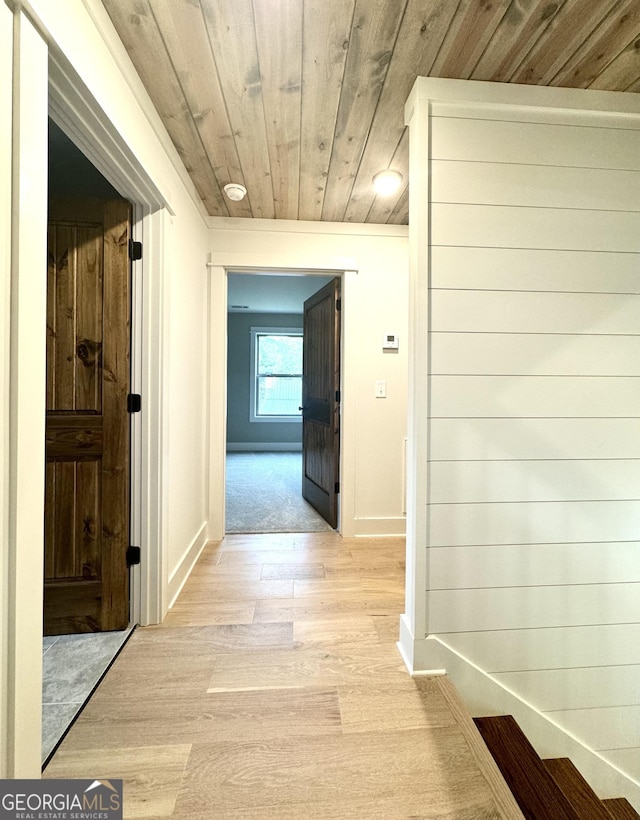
(387, 182)
(235, 191)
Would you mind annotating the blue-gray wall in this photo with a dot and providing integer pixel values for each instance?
(241, 431)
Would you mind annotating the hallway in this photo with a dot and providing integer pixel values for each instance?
(274, 689)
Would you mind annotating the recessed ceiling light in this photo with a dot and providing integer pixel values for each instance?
(387, 182)
(235, 191)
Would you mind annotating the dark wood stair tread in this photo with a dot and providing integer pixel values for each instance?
(619, 808)
(576, 789)
(535, 790)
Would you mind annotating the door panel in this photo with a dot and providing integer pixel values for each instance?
(87, 427)
(74, 321)
(321, 406)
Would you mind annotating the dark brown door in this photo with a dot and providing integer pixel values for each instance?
(321, 401)
(87, 427)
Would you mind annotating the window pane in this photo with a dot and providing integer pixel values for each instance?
(281, 355)
(279, 396)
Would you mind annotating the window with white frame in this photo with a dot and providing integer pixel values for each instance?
(276, 374)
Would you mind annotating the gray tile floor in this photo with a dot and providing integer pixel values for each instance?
(72, 665)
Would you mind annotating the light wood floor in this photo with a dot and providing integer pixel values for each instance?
(274, 689)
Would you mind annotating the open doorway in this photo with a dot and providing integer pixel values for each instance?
(86, 594)
(272, 444)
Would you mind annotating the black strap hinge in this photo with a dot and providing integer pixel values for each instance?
(337, 488)
(135, 250)
(338, 304)
(134, 403)
(133, 556)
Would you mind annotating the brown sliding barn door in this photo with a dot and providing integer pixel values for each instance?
(87, 427)
(321, 401)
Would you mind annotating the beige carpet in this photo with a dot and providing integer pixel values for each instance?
(263, 494)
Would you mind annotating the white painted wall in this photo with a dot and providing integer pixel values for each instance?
(375, 302)
(186, 397)
(24, 317)
(528, 470)
(6, 97)
(87, 55)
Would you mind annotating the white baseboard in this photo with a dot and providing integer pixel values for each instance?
(263, 446)
(371, 527)
(483, 695)
(182, 571)
(406, 643)
(406, 646)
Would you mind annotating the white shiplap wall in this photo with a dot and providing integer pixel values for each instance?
(533, 474)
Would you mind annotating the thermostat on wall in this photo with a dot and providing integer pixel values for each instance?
(390, 341)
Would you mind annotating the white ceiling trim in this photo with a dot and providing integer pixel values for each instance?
(231, 223)
(282, 263)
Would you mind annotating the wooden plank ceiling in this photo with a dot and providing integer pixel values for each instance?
(302, 101)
